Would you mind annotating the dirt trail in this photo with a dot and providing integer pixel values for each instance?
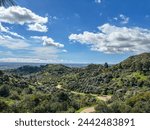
(59, 86)
(89, 109)
(92, 109)
(104, 97)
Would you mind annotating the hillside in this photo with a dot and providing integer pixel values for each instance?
(137, 63)
(35, 89)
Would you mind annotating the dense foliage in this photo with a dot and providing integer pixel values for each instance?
(57, 88)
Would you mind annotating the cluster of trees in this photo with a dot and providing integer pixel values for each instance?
(25, 93)
(138, 103)
(44, 103)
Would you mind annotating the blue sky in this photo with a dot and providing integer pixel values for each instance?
(74, 31)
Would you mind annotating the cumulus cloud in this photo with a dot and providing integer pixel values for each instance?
(37, 27)
(20, 15)
(113, 39)
(47, 41)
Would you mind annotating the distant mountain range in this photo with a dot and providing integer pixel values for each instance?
(11, 65)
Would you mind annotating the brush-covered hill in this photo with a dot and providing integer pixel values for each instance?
(137, 63)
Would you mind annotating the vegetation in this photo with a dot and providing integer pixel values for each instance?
(57, 88)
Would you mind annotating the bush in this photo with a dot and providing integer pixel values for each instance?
(3, 106)
(102, 107)
(120, 107)
(4, 91)
(1, 73)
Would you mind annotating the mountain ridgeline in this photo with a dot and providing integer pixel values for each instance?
(58, 88)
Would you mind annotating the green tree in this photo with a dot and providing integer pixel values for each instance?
(4, 91)
(3, 106)
(1, 73)
(106, 65)
(102, 107)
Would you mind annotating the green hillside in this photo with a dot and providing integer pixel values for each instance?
(58, 88)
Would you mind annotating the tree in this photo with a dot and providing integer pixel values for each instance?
(106, 65)
(7, 3)
(4, 91)
(102, 107)
(3, 106)
(1, 73)
(62, 97)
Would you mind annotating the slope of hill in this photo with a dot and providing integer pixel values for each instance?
(137, 63)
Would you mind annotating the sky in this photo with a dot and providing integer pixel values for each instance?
(74, 31)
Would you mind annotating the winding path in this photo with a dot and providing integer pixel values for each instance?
(92, 108)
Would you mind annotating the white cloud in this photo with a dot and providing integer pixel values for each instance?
(3, 29)
(113, 39)
(37, 27)
(98, 1)
(28, 49)
(6, 30)
(20, 15)
(44, 53)
(31, 60)
(47, 41)
(124, 19)
(15, 34)
(13, 43)
(24, 60)
(34, 55)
